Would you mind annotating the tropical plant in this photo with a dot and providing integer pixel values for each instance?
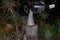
(10, 13)
(57, 24)
(47, 31)
(8, 6)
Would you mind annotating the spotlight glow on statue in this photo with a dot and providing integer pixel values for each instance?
(30, 19)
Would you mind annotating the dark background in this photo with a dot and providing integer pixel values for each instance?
(53, 13)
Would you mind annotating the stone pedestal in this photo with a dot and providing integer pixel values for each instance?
(31, 32)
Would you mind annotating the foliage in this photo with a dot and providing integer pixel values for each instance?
(15, 17)
(57, 24)
(47, 31)
(9, 13)
(9, 4)
(43, 15)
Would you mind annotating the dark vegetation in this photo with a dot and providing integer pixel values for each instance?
(13, 21)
